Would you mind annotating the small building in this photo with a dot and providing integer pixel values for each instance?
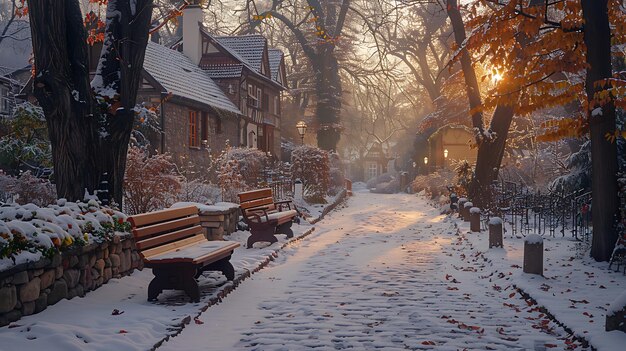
(448, 143)
(11, 83)
(375, 162)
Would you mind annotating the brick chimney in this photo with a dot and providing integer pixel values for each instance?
(192, 44)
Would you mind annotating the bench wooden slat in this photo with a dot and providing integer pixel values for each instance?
(162, 216)
(216, 255)
(173, 246)
(254, 194)
(257, 203)
(169, 237)
(165, 227)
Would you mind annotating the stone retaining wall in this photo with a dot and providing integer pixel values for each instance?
(218, 223)
(31, 287)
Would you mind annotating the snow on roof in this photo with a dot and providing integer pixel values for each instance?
(223, 71)
(275, 56)
(181, 77)
(248, 47)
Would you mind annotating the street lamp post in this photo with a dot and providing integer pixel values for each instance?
(426, 164)
(301, 127)
(445, 158)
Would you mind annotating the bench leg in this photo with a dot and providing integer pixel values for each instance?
(285, 228)
(261, 233)
(223, 266)
(175, 277)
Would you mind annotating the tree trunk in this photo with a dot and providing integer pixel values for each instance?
(471, 83)
(88, 142)
(328, 107)
(127, 36)
(61, 85)
(597, 37)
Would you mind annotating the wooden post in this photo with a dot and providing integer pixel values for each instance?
(466, 211)
(462, 202)
(495, 232)
(474, 217)
(533, 254)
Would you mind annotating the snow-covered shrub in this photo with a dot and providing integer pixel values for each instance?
(434, 184)
(312, 166)
(197, 185)
(25, 138)
(197, 190)
(27, 188)
(239, 169)
(579, 176)
(383, 178)
(151, 182)
(230, 180)
(48, 230)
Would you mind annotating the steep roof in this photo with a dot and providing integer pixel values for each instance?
(181, 77)
(249, 48)
(275, 56)
(223, 71)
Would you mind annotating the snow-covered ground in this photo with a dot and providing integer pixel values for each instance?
(575, 289)
(386, 272)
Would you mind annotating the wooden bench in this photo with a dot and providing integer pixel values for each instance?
(172, 243)
(266, 217)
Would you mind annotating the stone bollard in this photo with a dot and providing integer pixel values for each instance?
(533, 254)
(474, 217)
(495, 232)
(466, 211)
(462, 202)
(616, 314)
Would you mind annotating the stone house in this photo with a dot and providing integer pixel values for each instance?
(209, 89)
(451, 142)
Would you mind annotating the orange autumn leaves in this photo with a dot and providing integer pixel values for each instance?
(541, 55)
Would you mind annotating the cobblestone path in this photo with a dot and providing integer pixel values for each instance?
(376, 275)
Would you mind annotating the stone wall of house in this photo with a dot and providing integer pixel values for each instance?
(31, 287)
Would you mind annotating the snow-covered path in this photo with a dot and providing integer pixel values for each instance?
(386, 272)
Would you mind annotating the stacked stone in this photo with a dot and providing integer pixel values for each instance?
(31, 287)
(218, 223)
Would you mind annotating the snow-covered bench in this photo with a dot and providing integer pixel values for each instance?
(172, 243)
(266, 217)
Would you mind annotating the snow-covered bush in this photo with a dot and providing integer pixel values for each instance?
(312, 166)
(151, 182)
(25, 138)
(239, 169)
(434, 184)
(383, 178)
(27, 188)
(56, 227)
(197, 190)
(230, 180)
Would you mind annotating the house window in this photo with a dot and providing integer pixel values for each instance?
(276, 106)
(193, 129)
(204, 135)
(251, 139)
(372, 170)
(266, 102)
(4, 97)
(218, 125)
(258, 97)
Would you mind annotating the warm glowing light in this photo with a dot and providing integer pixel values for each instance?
(496, 77)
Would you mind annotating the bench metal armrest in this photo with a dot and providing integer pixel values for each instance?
(280, 204)
(257, 213)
